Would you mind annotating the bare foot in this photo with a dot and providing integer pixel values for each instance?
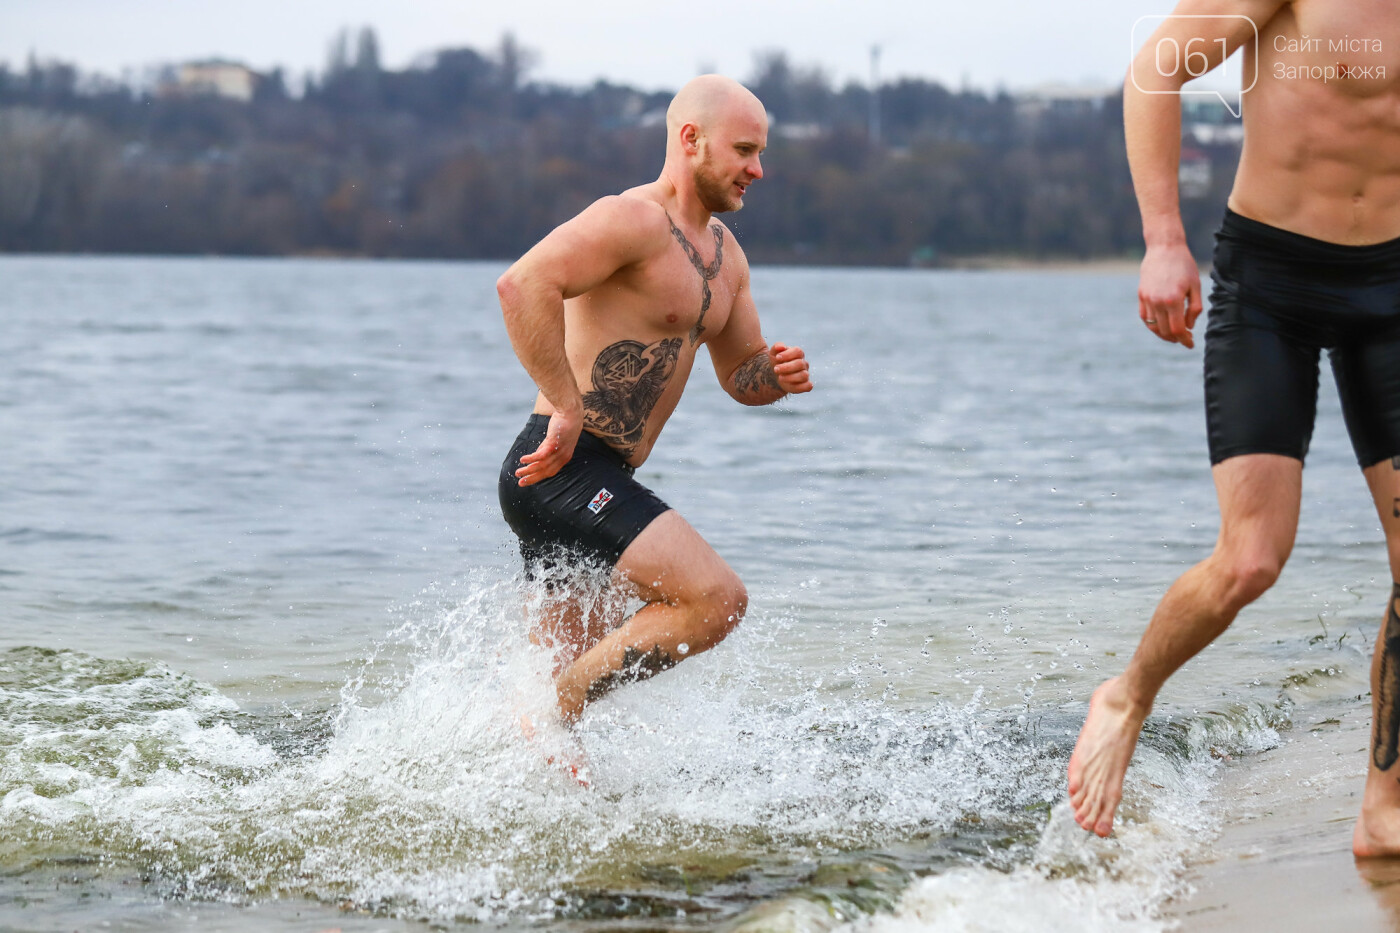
(567, 755)
(1101, 757)
(1377, 833)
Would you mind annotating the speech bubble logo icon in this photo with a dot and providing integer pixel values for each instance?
(1193, 52)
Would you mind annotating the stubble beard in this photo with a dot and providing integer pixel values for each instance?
(713, 191)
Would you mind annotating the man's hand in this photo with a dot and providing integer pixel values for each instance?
(556, 450)
(790, 366)
(1169, 293)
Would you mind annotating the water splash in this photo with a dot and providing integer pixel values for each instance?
(725, 782)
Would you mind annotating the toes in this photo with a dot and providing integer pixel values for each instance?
(1103, 817)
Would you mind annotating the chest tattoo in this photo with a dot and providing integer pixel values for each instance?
(707, 272)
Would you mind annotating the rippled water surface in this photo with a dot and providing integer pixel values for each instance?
(262, 646)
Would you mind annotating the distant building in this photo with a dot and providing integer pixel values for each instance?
(210, 79)
(1194, 174)
(1062, 99)
(1216, 134)
(1207, 121)
(795, 130)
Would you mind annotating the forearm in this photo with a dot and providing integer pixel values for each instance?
(1152, 129)
(754, 381)
(534, 318)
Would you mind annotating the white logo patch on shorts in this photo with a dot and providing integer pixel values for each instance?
(600, 500)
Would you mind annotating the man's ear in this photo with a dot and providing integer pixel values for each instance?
(690, 138)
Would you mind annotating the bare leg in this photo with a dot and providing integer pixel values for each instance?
(1259, 499)
(573, 618)
(1378, 828)
(568, 620)
(693, 601)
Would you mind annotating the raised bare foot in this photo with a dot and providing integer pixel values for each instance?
(1101, 756)
(566, 755)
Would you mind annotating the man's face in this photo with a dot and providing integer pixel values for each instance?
(728, 161)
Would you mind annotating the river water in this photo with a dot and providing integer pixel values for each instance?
(262, 649)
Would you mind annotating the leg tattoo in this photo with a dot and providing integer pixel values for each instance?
(1395, 504)
(636, 666)
(1386, 734)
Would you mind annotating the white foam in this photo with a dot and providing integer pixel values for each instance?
(429, 802)
(1078, 882)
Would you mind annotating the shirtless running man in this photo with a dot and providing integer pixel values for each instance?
(1307, 258)
(606, 313)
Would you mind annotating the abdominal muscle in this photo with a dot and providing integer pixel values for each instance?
(1321, 159)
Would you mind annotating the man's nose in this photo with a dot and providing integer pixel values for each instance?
(756, 169)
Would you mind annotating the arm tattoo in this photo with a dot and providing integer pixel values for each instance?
(628, 379)
(755, 379)
(635, 666)
(1385, 738)
(707, 272)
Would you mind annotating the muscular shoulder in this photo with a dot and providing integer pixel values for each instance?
(624, 215)
(625, 208)
(628, 227)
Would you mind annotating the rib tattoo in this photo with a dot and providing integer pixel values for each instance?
(756, 374)
(707, 273)
(628, 379)
(636, 666)
(1385, 740)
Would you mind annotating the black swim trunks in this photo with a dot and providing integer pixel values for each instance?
(1279, 299)
(590, 511)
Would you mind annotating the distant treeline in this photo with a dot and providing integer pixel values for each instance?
(462, 156)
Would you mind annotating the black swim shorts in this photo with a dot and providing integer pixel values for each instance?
(590, 510)
(1280, 298)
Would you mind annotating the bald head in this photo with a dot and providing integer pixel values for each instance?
(715, 132)
(708, 101)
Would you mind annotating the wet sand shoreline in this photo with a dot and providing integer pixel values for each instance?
(1283, 859)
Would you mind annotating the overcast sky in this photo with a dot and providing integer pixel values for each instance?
(651, 44)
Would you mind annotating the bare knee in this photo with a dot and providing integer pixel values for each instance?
(736, 603)
(1246, 577)
(729, 600)
(722, 603)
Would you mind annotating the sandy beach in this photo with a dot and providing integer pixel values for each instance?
(1283, 861)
